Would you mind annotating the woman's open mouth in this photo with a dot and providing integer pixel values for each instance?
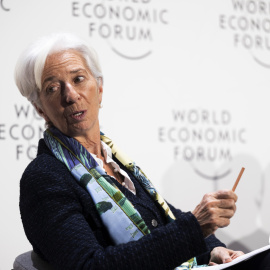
(78, 115)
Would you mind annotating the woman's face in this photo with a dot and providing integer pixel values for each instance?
(70, 96)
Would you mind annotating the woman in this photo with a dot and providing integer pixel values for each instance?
(83, 204)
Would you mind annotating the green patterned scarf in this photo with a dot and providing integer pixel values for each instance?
(123, 222)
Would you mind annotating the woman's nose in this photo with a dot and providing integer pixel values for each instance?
(71, 95)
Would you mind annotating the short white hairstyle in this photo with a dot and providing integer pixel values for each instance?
(30, 65)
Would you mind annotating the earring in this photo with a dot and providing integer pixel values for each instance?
(100, 105)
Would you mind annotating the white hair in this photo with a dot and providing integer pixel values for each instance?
(31, 63)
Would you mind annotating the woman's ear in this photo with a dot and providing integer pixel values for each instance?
(41, 112)
(100, 89)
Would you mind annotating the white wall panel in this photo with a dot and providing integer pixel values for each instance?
(185, 94)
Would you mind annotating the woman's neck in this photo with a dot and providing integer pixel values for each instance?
(91, 143)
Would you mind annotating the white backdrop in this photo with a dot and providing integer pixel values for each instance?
(185, 95)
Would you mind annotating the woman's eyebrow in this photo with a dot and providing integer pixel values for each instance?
(48, 79)
(76, 70)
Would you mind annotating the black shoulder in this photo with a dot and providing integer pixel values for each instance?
(45, 171)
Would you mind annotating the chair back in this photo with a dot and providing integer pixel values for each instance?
(30, 261)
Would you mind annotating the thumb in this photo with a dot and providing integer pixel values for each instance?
(226, 259)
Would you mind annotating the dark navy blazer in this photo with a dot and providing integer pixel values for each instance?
(64, 228)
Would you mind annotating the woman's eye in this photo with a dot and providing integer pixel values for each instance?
(52, 89)
(78, 79)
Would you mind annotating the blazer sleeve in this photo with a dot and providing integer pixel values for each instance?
(211, 241)
(54, 223)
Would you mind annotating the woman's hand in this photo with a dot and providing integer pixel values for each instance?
(221, 255)
(215, 210)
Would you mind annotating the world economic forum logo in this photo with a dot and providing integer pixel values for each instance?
(3, 6)
(202, 137)
(249, 25)
(129, 27)
(24, 132)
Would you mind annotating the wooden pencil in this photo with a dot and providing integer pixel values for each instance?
(238, 179)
